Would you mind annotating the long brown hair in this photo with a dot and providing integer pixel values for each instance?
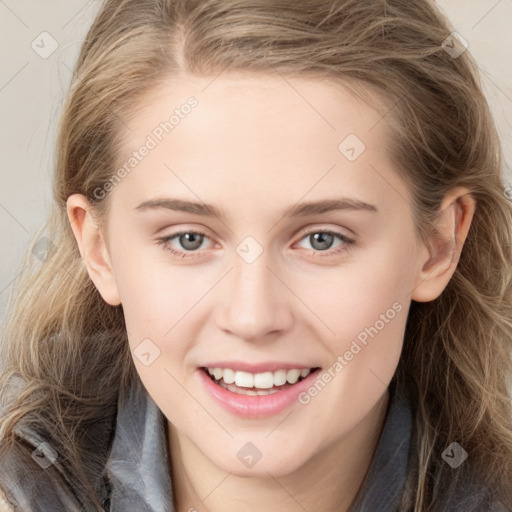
(70, 347)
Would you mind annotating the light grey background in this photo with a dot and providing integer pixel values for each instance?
(32, 89)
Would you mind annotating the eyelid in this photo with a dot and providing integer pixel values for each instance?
(322, 229)
(187, 229)
(200, 232)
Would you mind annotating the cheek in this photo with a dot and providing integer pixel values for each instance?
(363, 311)
(158, 309)
(353, 296)
(156, 298)
(154, 291)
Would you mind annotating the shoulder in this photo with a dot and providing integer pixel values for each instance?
(30, 482)
(461, 489)
(28, 478)
(468, 491)
(476, 501)
(36, 473)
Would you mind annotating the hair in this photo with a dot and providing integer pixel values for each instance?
(70, 348)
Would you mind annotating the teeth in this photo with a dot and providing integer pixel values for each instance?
(280, 377)
(265, 380)
(217, 373)
(293, 376)
(245, 391)
(244, 379)
(228, 376)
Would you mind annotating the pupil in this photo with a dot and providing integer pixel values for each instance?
(189, 238)
(321, 239)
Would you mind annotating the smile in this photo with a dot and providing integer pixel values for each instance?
(256, 395)
(265, 383)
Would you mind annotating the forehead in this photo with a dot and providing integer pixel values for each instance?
(257, 104)
(257, 135)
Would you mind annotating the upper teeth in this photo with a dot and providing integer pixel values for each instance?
(265, 380)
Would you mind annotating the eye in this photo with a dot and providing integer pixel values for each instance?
(190, 241)
(322, 240)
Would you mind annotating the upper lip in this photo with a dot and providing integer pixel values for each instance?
(270, 366)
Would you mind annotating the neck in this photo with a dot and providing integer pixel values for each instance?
(329, 481)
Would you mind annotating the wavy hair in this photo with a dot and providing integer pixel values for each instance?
(65, 350)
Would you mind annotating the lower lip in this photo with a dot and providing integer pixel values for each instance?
(259, 406)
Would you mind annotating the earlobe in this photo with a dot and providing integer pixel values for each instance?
(92, 247)
(439, 260)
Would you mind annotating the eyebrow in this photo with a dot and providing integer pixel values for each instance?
(297, 210)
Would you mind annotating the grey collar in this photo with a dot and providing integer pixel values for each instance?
(385, 486)
(136, 467)
(138, 464)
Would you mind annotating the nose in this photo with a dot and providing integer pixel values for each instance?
(256, 304)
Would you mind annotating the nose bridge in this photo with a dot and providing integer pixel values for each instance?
(256, 302)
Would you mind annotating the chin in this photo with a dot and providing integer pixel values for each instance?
(271, 462)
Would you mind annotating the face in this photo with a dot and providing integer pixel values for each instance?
(299, 253)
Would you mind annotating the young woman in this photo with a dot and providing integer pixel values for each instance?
(277, 275)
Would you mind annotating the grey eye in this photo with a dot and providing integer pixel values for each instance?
(321, 241)
(190, 241)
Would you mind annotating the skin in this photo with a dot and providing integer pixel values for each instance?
(252, 147)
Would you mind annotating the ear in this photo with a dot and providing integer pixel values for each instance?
(441, 256)
(92, 247)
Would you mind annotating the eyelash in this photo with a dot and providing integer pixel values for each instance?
(347, 242)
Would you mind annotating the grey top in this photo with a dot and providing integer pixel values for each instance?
(137, 477)
(139, 453)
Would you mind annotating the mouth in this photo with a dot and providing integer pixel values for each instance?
(257, 384)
